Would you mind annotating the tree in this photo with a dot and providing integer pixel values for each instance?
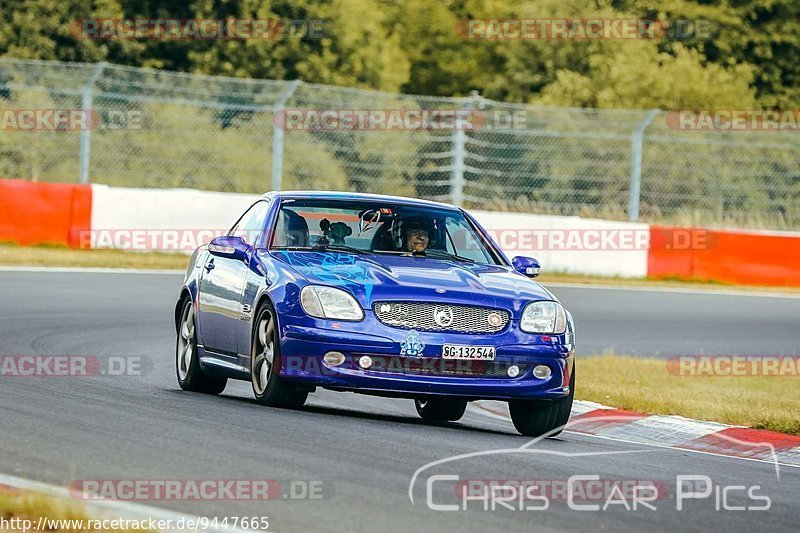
(636, 75)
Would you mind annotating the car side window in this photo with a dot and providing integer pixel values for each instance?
(251, 224)
(460, 241)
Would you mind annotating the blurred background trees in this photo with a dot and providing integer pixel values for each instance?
(412, 46)
(217, 133)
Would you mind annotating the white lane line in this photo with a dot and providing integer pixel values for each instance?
(678, 290)
(106, 508)
(91, 270)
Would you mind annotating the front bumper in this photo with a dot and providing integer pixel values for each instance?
(305, 341)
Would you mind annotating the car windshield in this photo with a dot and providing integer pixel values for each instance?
(380, 228)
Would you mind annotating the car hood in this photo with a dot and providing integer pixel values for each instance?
(371, 278)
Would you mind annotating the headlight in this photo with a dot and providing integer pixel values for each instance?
(544, 317)
(327, 302)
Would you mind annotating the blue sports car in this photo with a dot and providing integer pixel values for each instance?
(378, 295)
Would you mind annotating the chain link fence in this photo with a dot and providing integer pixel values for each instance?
(156, 128)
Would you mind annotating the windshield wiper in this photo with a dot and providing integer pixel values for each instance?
(338, 248)
(316, 248)
(442, 255)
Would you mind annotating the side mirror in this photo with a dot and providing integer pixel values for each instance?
(527, 265)
(229, 246)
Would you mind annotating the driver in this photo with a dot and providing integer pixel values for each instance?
(415, 235)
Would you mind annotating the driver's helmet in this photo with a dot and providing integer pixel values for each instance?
(403, 225)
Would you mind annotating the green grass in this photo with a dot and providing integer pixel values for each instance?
(31, 506)
(645, 385)
(59, 256)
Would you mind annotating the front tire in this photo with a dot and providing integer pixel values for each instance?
(187, 364)
(441, 410)
(265, 363)
(535, 418)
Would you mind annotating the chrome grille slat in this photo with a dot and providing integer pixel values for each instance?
(420, 316)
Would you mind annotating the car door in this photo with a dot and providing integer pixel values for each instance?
(221, 285)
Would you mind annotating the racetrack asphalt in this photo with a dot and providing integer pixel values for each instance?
(365, 449)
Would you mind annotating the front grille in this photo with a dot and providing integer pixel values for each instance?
(452, 318)
(434, 366)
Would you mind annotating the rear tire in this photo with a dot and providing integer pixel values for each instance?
(441, 410)
(187, 365)
(534, 418)
(265, 363)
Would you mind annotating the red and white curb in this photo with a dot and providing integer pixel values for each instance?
(671, 431)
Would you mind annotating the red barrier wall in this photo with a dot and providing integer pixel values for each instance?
(745, 258)
(44, 213)
(55, 213)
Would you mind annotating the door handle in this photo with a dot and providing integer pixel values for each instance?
(210, 266)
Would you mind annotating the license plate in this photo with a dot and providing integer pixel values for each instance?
(455, 351)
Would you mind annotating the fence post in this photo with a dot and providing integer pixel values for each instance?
(86, 107)
(277, 134)
(457, 176)
(636, 165)
(459, 151)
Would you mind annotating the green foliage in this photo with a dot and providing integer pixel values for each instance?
(414, 46)
(637, 75)
(44, 155)
(568, 162)
(762, 33)
(44, 29)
